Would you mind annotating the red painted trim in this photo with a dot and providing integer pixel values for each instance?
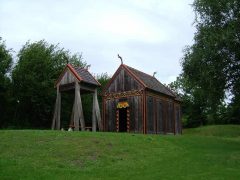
(64, 71)
(128, 120)
(111, 80)
(117, 72)
(74, 72)
(117, 120)
(60, 77)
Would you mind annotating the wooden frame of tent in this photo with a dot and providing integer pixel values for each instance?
(82, 81)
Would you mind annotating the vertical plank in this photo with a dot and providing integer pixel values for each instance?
(174, 118)
(97, 110)
(55, 114)
(58, 109)
(103, 114)
(76, 113)
(72, 116)
(94, 124)
(80, 109)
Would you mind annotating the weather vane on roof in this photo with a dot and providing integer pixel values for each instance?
(154, 74)
(88, 66)
(120, 58)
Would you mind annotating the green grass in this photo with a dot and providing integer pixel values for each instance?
(211, 152)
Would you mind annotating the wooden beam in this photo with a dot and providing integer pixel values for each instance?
(174, 117)
(80, 109)
(54, 115)
(78, 112)
(94, 123)
(97, 111)
(71, 124)
(103, 114)
(57, 111)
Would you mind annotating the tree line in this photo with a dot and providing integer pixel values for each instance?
(27, 93)
(209, 84)
(210, 80)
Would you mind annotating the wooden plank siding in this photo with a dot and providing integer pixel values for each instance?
(67, 78)
(151, 112)
(135, 113)
(161, 115)
(123, 82)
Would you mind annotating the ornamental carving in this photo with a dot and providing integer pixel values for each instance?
(123, 94)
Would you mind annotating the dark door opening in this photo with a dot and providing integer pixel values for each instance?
(123, 120)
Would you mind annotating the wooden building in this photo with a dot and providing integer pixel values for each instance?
(79, 81)
(134, 101)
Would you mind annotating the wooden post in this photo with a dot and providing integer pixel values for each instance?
(117, 120)
(94, 123)
(78, 112)
(54, 115)
(174, 117)
(72, 117)
(82, 122)
(57, 112)
(128, 120)
(96, 113)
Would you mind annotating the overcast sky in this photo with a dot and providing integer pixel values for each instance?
(149, 34)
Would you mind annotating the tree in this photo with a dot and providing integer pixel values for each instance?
(6, 61)
(39, 65)
(211, 66)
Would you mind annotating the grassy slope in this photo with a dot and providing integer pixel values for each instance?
(211, 152)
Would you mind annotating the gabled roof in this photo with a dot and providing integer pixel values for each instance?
(81, 74)
(151, 82)
(86, 76)
(146, 80)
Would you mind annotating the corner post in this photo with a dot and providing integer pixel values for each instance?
(78, 111)
(97, 109)
(94, 123)
(57, 111)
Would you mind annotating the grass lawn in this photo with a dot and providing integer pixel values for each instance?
(211, 152)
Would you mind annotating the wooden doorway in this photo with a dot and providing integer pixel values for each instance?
(123, 120)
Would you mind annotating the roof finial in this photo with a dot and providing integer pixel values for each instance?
(154, 74)
(88, 66)
(120, 58)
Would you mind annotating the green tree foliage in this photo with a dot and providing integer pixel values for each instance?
(211, 66)
(39, 65)
(6, 61)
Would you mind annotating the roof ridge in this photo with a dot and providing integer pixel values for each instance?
(169, 92)
(82, 68)
(139, 71)
(74, 72)
(135, 75)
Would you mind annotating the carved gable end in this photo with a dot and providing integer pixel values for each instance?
(122, 81)
(67, 78)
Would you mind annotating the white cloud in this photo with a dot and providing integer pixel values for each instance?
(148, 34)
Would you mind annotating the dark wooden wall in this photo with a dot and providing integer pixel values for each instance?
(160, 113)
(123, 82)
(136, 115)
